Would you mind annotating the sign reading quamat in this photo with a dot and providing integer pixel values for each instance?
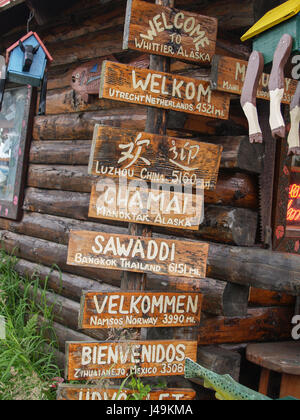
(139, 310)
(138, 254)
(92, 361)
(125, 83)
(182, 35)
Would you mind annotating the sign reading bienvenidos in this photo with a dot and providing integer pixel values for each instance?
(160, 30)
(138, 254)
(97, 393)
(228, 75)
(139, 310)
(93, 361)
(150, 157)
(124, 83)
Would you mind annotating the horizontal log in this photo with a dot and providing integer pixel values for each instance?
(72, 152)
(233, 189)
(259, 297)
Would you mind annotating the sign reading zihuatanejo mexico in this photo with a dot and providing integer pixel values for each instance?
(139, 310)
(136, 203)
(150, 157)
(92, 361)
(138, 254)
(124, 83)
(160, 30)
(228, 75)
(97, 393)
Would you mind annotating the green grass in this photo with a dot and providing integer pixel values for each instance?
(27, 368)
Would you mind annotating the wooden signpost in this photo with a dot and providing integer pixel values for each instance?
(166, 31)
(138, 254)
(124, 83)
(139, 310)
(93, 361)
(149, 157)
(228, 75)
(96, 393)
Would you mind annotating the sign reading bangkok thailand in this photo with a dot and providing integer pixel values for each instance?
(228, 75)
(182, 35)
(138, 254)
(139, 309)
(92, 361)
(124, 83)
(150, 157)
(96, 393)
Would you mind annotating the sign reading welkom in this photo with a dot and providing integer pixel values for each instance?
(150, 157)
(182, 35)
(139, 310)
(92, 361)
(125, 83)
(138, 254)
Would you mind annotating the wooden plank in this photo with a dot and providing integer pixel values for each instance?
(162, 90)
(228, 75)
(139, 310)
(137, 254)
(150, 157)
(170, 32)
(119, 201)
(117, 360)
(96, 392)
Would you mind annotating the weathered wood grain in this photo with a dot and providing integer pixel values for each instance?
(117, 360)
(139, 310)
(177, 34)
(163, 90)
(137, 254)
(259, 297)
(162, 159)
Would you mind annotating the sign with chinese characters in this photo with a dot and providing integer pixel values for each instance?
(228, 75)
(293, 211)
(93, 361)
(98, 393)
(160, 30)
(124, 83)
(134, 202)
(138, 254)
(139, 310)
(154, 158)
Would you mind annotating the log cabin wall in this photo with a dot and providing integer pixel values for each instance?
(58, 186)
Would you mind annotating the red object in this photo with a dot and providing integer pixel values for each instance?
(4, 2)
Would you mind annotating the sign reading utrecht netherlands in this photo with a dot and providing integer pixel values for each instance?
(182, 35)
(124, 83)
(138, 254)
(92, 361)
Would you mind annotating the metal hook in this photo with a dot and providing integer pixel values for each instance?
(31, 16)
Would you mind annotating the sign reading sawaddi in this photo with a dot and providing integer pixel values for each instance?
(139, 310)
(124, 83)
(138, 254)
(228, 75)
(93, 361)
(150, 157)
(98, 393)
(173, 33)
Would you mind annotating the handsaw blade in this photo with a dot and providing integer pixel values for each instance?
(2, 78)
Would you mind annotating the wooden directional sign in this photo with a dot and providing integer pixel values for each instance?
(182, 35)
(228, 75)
(98, 393)
(150, 157)
(94, 361)
(139, 204)
(139, 310)
(124, 83)
(138, 254)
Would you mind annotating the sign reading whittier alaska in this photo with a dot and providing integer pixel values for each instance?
(90, 361)
(160, 30)
(125, 83)
(138, 254)
(149, 157)
(139, 310)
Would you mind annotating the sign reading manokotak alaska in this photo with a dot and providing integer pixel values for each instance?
(161, 30)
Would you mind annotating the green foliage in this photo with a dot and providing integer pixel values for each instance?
(27, 369)
(140, 391)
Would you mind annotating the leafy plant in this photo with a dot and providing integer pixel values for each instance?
(140, 391)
